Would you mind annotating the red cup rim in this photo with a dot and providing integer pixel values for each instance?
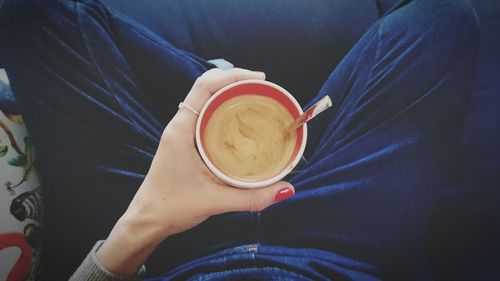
(254, 87)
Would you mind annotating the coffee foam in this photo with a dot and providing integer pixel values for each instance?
(245, 139)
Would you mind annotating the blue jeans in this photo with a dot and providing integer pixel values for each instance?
(96, 90)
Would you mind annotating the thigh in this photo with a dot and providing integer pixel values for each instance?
(377, 161)
(95, 90)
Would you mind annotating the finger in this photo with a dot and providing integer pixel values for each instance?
(215, 79)
(234, 199)
(206, 85)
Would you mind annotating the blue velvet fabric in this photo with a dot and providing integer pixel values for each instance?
(96, 89)
(462, 233)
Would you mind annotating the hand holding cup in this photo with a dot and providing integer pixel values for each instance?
(179, 191)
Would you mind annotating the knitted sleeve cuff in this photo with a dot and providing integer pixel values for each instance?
(92, 270)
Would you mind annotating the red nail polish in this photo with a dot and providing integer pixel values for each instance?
(283, 194)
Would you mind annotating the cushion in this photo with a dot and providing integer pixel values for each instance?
(20, 195)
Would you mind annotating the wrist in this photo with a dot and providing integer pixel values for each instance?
(147, 213)
(128, 246)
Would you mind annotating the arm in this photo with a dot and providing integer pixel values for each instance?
(179, 192)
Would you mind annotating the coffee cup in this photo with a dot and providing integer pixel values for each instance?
(241, 134)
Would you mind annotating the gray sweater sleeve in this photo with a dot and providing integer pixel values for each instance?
(92, 270)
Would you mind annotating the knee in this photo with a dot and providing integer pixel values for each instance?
(23, 22)
(19, 18)
(456, 19)
(447, 26)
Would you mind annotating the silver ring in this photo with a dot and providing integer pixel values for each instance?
(182, 105)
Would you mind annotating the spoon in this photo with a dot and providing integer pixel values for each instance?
(309, 114)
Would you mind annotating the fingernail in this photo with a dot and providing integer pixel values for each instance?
(283, 194)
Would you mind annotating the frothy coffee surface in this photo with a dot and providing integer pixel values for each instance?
(245, 137)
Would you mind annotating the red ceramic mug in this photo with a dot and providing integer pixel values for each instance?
(258, 88)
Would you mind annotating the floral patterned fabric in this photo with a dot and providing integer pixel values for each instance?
(20, 195)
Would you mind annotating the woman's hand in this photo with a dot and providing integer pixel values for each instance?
(179, 191)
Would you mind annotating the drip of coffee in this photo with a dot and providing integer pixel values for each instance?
(245, 137)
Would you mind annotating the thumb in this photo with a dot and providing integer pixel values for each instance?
(235, 199)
